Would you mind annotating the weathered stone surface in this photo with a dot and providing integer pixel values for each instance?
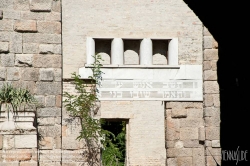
(216, 143)
(198, 156)
(178, 144)
(50, 101)
(6, 25)
(184, 105)
(53, 16)
(184, 161)
(16, 42)
(212, 112)
(216, 98)
(212, 151)
(210, 75)
(8, 142)
(30, 74)
(25, 26)
(212, 121)
(7, 60)
(170, 144)
(211, 87)
(46, 49)
(50, 131)
(24, 60)
(49, 27)
(212, 133)
(57, 74)
(1, 14)
(25, 141)
(40, 5)
(19, 155)
(172, 161)
(70, 143)
(56, 6)
(211, 162)
(6, 4)
(194, 113)
(47, 88)
(4, 36)
(30, 48)
(208, 42)
(215, 44)
(188, 133)
(47, 61)
(208, 143)
(179, 113)
(46, 143)
(43, 121)
(21, 5)
(211, 54)
(191, 143)
(202, 133)
(33, 163)
(40, 99)
(1, 141)
(206, 65)
(208, 100)
(4, 47)
(206, 32)
(13, 74)
(191, 122)
(57, 49)
(173, 152)
(42, 38)
(46, 74)
(30, 85)
(173, 129)
(44, 112)
(214, 65)
(12, 14)
(27, 15)
(2, 73)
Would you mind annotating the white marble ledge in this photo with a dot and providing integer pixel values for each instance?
(138, 66)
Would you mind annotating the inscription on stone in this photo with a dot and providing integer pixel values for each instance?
(169, 90)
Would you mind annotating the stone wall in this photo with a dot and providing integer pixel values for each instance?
(30, 57)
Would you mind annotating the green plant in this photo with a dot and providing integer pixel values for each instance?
(15, 99)
(83, 105)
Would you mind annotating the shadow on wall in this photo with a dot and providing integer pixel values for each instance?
(222, 20)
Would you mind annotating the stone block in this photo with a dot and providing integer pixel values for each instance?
(212, 133)
(216, 98)
(179, 113)
(13, 74)
(46, 49)
(7, 60)
(211, 112)
(178, 144)
(57, 74)
(43, 121)
(56, 6)
(19, 155)
(191, 122)
(46, 74)
(8, 142)
(21, 5)
(211, 161)
(215, 143)
(191, 143)
(47, 112)
(211, 54)
(12, 14)
(173, 152)
(25, 141)
(50, 101)
(58, 100)
(1, 14)
(16, 43)
(214, 65)
(42, 38)
(57, 49)
(49, 27)
(172, 161)
(4, 47)
(33, 163)
(30, 48)
(170, 144)
(202, 133)
(208, 42)
(30, 85)
(198, 156)
(40, 99)
(213, 151)
(53, 16)
(50, 131)
(210, 75)
(70, 143)
(30, 74)
(48, 88)
(194, 113)
(46, 143)
(212, 121)
(173, 129)
(47, 61)
(188, 133)
(6, 25)
(6, 4)
(27, 15)
(5, 36)
(25, 26)
(2, 73)
(184, 161)
(208, 100)
(58, 142)
(24, 60)
(41, 5)
(206, 32)
(207, 65)
(215, 44)
(208, 143)
(211, 87)
(1, 141)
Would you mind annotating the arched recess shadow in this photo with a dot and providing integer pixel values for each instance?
(220, 17)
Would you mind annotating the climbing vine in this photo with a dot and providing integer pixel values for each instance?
(84, 105)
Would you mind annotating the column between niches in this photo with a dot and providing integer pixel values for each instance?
(90, 47)
(117, 51)
(173, 52)
(146, 52)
